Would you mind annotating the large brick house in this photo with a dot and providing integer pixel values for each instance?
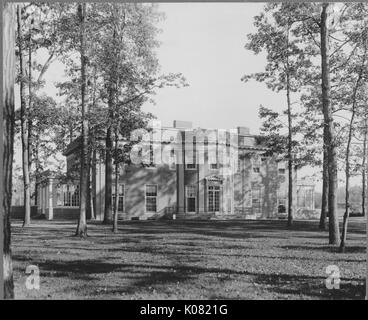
(181, 172)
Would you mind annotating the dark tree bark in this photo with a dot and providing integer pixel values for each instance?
(290, 141)
(116, 204)
(108, 214)
(93, 154)
(84, 170)
(329, 138)
(364, 170)
(30, 96)
(24, 124)
(9, 21)
(92, 190)
(38, 167)
(324, 206)
(108, 179)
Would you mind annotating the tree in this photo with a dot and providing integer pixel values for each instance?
(126, 61)
(329, 138)
(37, 28)
(128, 117)
(84, 168)
(285, 62)
(120, 59)
(9, 42)
(356, 74)
(24, 121)
(364, 170)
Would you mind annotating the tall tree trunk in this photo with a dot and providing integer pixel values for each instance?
(108, 178)
(82, 223)
(364, 169)
(116, 205)
(324, 206)
(108, 215)
(290, 141)
(92, 158)
(30, 97)
(38, 167)
(24, 125)
(91, 173)
(91, 192)
(329, 138)
(347, 157)
(9, 20)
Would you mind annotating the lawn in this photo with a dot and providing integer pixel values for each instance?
(187, 260)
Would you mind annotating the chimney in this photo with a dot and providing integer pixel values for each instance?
(179, 124)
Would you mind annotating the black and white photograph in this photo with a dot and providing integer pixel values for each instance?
(190, 151)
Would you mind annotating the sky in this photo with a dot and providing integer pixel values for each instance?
(205, 42)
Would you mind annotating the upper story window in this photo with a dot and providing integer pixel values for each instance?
(190, 166)
(256, 169)
(172, 160)
(214, 166)
(256, 164)
(282, 170)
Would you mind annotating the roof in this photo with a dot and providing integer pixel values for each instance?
(72, 146)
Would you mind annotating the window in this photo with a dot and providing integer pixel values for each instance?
(147, 154)
(191, 198)
(71, 195)
(152, 159)
(282, 170)
(191, 164)
(172, 160)
(121, 197)
(213, 198)
(151, 198)
(256, 164)
(214, 166)
(281, 207)
(256, 200)
(213, 156)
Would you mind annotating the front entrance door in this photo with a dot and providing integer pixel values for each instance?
(213, 198)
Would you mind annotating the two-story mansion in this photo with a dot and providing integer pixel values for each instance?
(184, 172)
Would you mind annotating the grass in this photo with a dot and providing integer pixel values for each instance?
(187, 260)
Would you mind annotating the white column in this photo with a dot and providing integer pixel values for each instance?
(50, 199)
(43, 205)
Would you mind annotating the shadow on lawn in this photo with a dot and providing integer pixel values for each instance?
(334, 249)
(147, 276)
(183, 260)
(313, 287)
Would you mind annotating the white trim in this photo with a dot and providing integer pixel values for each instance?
(145, 197)
(219, 198)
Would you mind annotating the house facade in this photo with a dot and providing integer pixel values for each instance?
(181, 172)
